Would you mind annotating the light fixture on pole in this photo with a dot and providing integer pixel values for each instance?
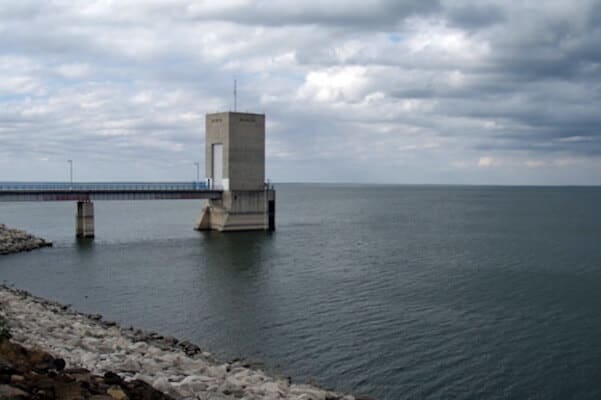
(197, 173)
(70, 173)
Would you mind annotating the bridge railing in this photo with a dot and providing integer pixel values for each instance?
(103, 186)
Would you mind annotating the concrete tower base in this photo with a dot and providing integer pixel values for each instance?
(84, 219)
(239, 211)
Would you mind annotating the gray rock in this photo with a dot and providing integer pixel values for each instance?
(170, 340)
(8, 392)
(14, 241)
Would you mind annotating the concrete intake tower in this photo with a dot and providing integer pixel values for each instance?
(235, 163)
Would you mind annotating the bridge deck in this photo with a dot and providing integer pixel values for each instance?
(90, 191)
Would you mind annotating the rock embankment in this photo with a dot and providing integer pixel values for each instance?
(15, 241)
(31, 374)
(177, 369)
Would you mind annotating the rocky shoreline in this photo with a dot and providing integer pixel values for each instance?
(30, 374)
(15, 241)
(178, 369)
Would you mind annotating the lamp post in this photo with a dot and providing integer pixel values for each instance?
(197, 173)
(70, 173)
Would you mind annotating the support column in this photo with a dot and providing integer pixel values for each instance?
(248, 210)
(271, 210)
(84, 219)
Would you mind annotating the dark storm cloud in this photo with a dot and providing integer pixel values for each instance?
(555, 53)
(540, 81)
(369, 14)
(476, 15)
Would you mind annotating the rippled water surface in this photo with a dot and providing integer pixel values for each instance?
(391, 291)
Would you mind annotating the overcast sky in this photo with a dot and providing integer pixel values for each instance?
(390, 91)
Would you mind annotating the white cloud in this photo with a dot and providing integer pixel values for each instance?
(335, 84)
(535, 163)
(74, 71)
(434, 39)
(485, 162)
(575, 139)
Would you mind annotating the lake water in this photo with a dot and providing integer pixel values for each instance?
(391, 291)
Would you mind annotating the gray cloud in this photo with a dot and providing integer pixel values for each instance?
(474, 16)
(370, 14)
(411, 91)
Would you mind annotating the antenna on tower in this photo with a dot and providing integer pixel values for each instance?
(235, 95)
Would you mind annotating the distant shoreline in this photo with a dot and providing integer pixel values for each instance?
(454, 185)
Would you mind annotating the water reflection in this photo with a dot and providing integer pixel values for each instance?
(236, 251)
(84, 245)
(234, 281)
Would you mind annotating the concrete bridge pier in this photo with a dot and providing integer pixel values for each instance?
(239, 211)
(84, 219)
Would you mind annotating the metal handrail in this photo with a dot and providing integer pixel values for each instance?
(103, 186)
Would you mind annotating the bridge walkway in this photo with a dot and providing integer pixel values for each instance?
(84, 193)
(90, 191)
